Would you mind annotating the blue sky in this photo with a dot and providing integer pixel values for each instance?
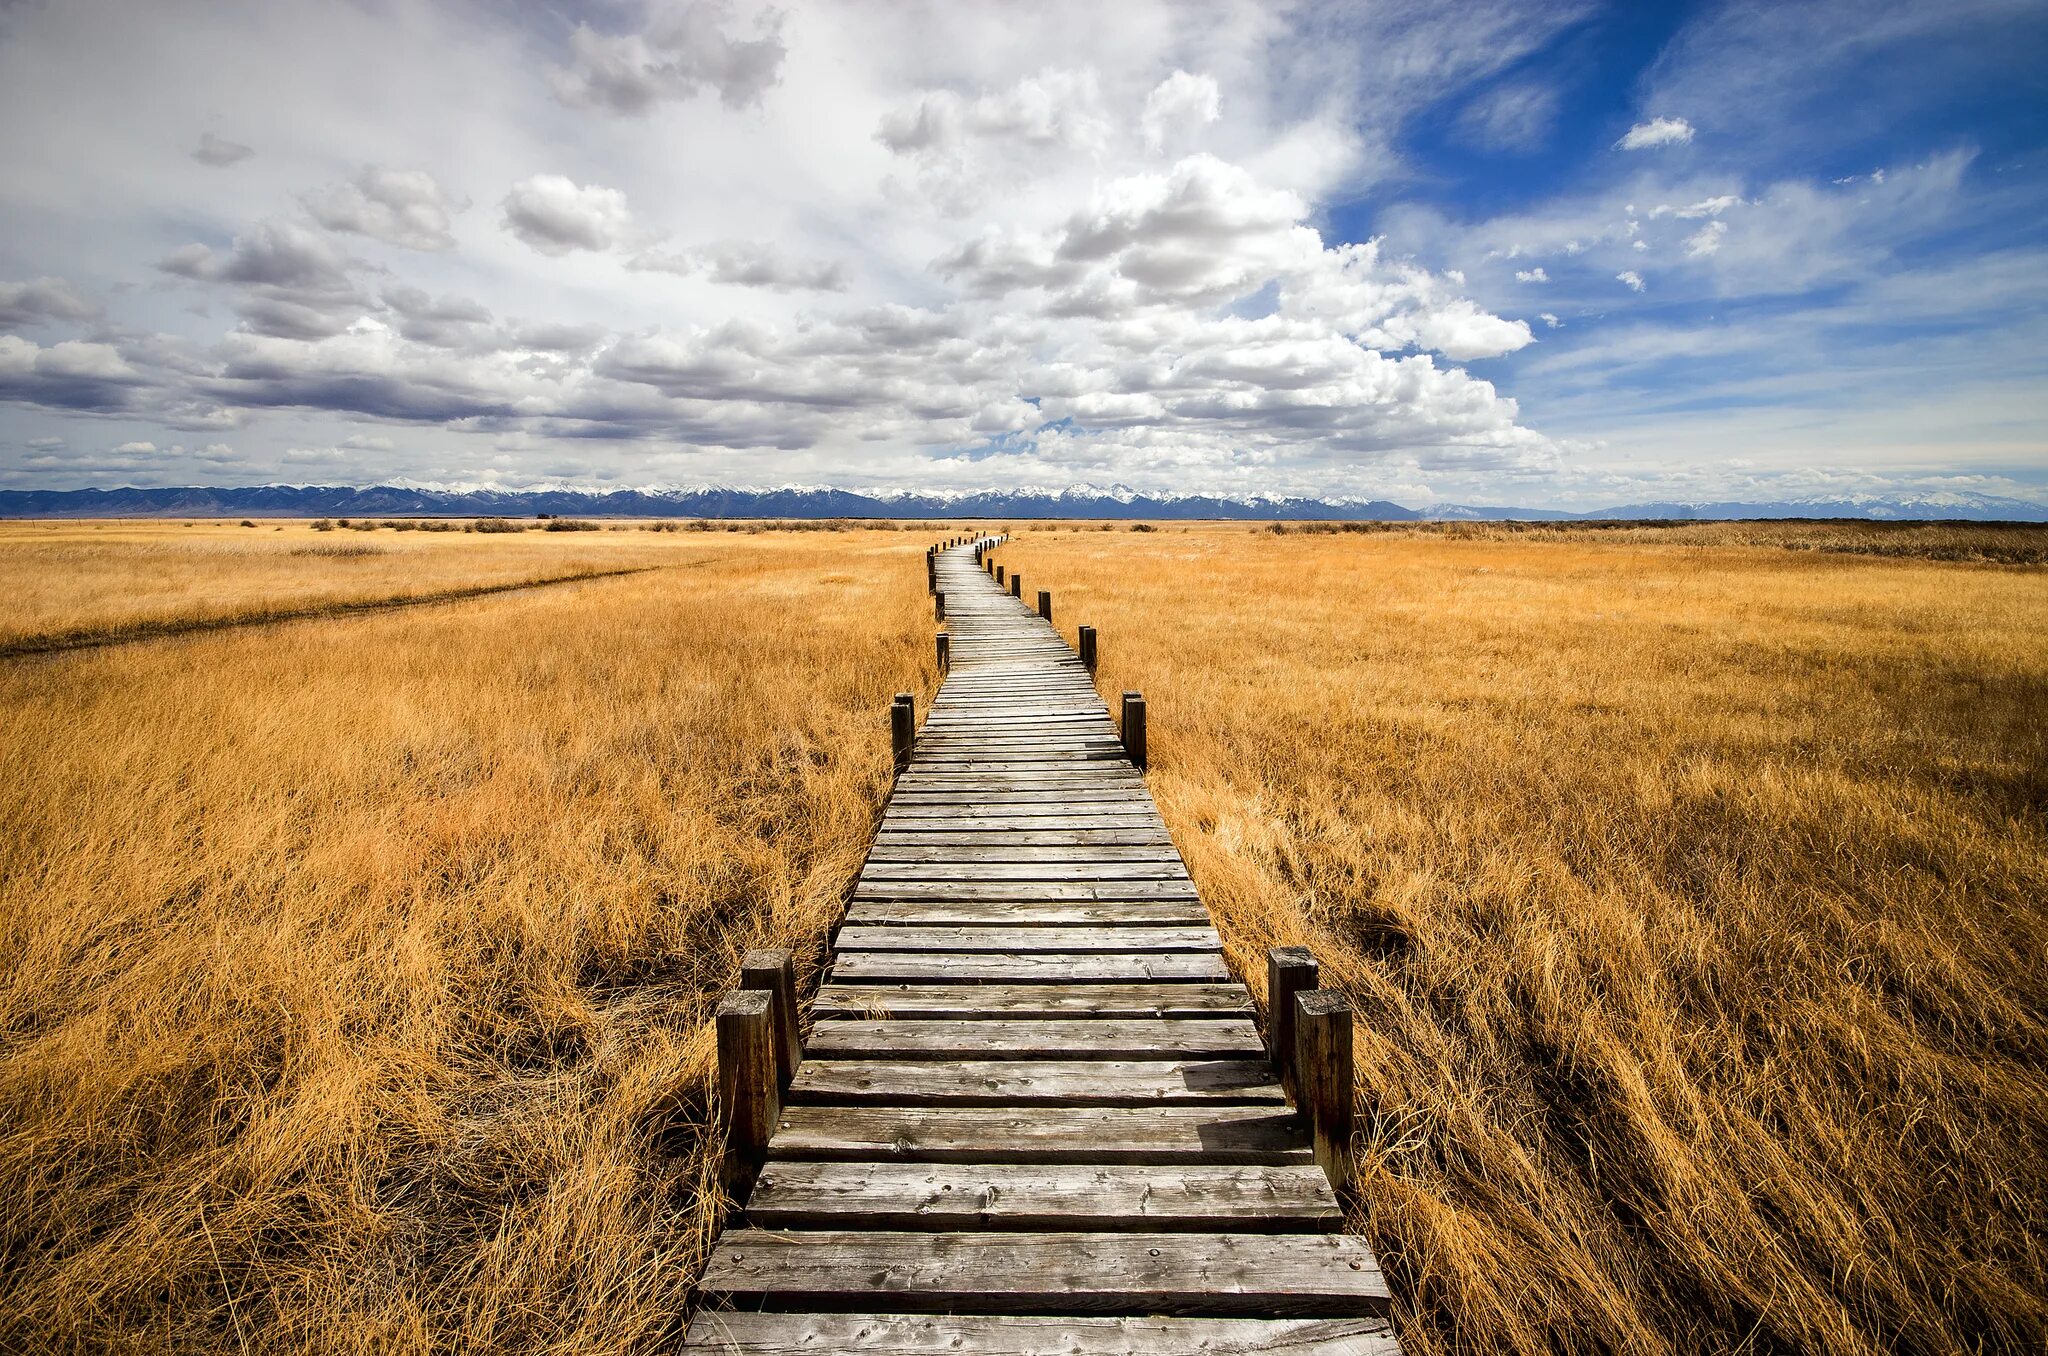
(1543, 254)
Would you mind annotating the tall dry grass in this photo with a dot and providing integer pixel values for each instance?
(356, 972)
(67, 582)
(1691, 896)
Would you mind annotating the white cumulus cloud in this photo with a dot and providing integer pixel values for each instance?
(1656, 132)
(1179, 105)
(555, 215)
(406, 208)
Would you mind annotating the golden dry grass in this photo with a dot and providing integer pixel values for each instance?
(357, 971)
(65, 582)
(1691, 893)
(1690, 888)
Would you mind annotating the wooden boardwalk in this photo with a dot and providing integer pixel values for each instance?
(1035, 1114)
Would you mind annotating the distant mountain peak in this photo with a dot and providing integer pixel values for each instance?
(414, 498)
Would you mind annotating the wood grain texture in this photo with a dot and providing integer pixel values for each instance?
(873, 1334)
(1261, 1275)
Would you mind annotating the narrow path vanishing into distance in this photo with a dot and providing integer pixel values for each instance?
(1035, 1114)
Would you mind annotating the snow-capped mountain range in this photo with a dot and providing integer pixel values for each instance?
(302, 501)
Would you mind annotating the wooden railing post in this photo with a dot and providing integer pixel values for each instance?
(1045, 604)
(1289, 970)
(902, 728)
(939, 605)
(1087, 642)
(1134, 728)
(999, 575)
(945, 644)
(1016, 585)
(774, 970)
(1322, 1060)
(747, 1088)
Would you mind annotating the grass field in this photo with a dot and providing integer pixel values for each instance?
(1689, 882)
(1692, 887)
(356, 970)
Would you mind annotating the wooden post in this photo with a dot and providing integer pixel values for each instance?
(1134, 728)
(747, 1090)
(939, 606)
(1289, 970)
(902, 729)
(775, 971)
(1087, 638)
(1322, 1059)
(999, 574)
(1016, 585)
(1045, 604)
(945, 644)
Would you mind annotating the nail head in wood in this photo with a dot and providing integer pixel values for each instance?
(1322, 1059)
(1134, 728)
(774, 969)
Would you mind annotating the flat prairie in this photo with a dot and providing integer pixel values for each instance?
(355, 971)
(1689, 883)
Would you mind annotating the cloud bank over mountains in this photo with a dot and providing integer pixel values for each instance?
(897, 247)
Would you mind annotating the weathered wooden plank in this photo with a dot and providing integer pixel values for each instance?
(1327, 1275)
(1029, 1082)
(1018, 891)
(766, 1334)
(1025, 854)
(1038, 873)
(1057, 913)
(1046, 967)
(1038, 1038)
(1152, 1134)
(1010, 941)
(1007, 1002)
(1106, 1197)
(945, 837)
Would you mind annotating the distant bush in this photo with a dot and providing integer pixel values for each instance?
(247, 523)
(495, 525)
(339, 552)
(568, 525)
(1143, 527)
(324, 525)
(666, 525)
(436, 525)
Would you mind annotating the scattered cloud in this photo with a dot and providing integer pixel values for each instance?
(41, 300)
(1630, 279)
(1706, 240)
(1531, 275)
(746, 264)
(406, 208)
(555, 215)
(1550, 320)
(219, 153)
(1705, 207)
(685, 53)
(1656, 132)
(1511, 117)
(289, 282)
(1179, 106)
